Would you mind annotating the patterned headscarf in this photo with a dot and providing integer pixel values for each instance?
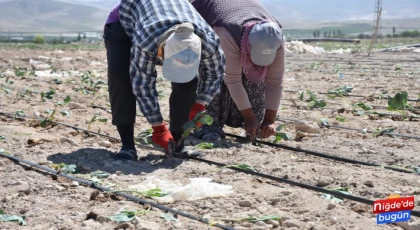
(252, 71)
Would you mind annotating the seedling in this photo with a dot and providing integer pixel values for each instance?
(156, 192)
(363, 107)
(8, 218)
(99, 174)
(382, 132)
(95, 118)
(399, 103)
(19, 113)
(48, 94)
(336, 199)
(146, 136)
(313, 102)
(168, 217)
(340, 92)
(398, 67)
(65, 113)
(57, 81)
(341, 119)
(6, 87)
(2, 138)
(241, 166)
(128, 215)
(62, 167)
(46, 121)
(204, 145)
(200, 118)
(384, 95)
(281, 135)
(316, 65)
(66, 101)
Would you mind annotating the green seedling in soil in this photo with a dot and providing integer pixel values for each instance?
(324, 122)
(340, 92)
(382, 132)
(128, 215)
(146, 136)
(416, 169)
(2, 138)
(47, 121)
(9, 218)
(65, 113)
(399, 103)
(398, 67)
(336, 199)
(62, 167)
(384, 95)
(19, 113)
(66, 101)
(204, 145)
(95, 118)
(169, 217)
(4, 151)
(241, 166)
(363, 106)
(316, 65)
(200, 117)
(57, 81)
(341, 119)
(20, 72)
(281, 135)
(156, 192)
(313, 102)
(99, 174)
(6, 87)
(48, 94)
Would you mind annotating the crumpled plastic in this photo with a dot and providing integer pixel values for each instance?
(199, 188)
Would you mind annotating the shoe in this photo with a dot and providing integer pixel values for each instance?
(185, 151)
(127, 154)
(211, 137)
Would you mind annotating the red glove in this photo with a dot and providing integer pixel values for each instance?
(197, 107)
(161, 135)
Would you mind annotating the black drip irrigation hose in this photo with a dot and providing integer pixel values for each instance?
(323, 155)
(281, 180)
(350, 128)
(350, 95)
(351, 111)
(105, 189)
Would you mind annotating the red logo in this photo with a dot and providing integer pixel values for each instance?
(393, 204)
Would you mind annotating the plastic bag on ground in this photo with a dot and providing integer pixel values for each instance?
(199, 188)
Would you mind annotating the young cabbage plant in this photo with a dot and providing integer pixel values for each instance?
(312, 100)
(200, 118)
(399, 103)
(281, 135)
(340, 92)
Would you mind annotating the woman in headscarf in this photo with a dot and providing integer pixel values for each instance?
(254, 46)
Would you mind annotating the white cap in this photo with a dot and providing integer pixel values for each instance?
(182, 56)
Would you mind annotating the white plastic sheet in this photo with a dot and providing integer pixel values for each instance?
(199, 188)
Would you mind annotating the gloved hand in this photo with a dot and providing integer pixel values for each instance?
(161, 135)
(197, 108)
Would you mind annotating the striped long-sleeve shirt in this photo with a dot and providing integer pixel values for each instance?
(145, 22)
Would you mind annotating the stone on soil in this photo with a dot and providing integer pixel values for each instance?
(309, 127)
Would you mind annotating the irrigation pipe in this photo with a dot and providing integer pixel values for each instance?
(348, 128)
(281, 180)
(105, 189)
(351, 111)
(309, 152)
(350, 95)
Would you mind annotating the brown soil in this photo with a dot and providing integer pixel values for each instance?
(51, 203)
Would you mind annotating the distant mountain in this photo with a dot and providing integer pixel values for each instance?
(50, 15)
(88, 15)
(300, 11)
